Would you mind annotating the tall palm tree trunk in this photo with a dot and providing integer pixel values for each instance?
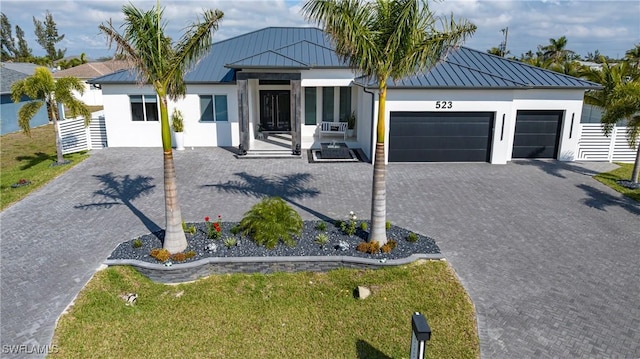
(174, 238)
(379, 190)
(636, 166)
(52, 108)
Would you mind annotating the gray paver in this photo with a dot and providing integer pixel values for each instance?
(547, 254)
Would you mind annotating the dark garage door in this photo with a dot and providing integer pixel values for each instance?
(537, 134)
(440, 137)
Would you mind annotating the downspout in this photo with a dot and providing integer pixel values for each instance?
(373, 97)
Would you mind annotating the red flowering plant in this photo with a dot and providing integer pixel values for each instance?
(213, 228)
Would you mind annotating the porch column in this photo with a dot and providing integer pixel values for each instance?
(243, 116)
(296, 121)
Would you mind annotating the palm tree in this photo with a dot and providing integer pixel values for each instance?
(163, 64)
(44, 90)
(624, 103)
(619, 98)
(633, 56)
(385, 39)
(571, 68)
(556, 50)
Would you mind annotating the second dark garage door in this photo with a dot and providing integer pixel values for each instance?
(537, 134)
(440, 137)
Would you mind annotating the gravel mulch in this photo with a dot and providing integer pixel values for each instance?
(305, 244)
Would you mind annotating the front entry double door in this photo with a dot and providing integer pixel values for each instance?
(275, 110)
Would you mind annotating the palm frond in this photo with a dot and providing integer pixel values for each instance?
(194, 43)
(26, 113)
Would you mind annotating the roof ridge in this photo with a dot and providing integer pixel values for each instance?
(301, 41)
(265, 28)
(272, 51)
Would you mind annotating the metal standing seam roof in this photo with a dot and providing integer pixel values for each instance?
(307, 47)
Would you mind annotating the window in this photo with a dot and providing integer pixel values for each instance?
(144, 107)
(309, 105)
(345, 103)
(327, 104)
(213, 108)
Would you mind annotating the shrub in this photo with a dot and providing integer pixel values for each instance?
(190, 254)
(178, 257)
(389, 246)
(270, 221)
(230, 242)
(235, 229)
(349, 227)
(160, 254)
(387, 225)
(321, 226)
(364, 226)
(369, 247)
(412, 237)
(322, 239)
(137, 243)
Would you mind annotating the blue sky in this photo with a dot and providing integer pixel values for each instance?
(612, 27)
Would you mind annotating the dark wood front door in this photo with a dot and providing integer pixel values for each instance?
(275, 110)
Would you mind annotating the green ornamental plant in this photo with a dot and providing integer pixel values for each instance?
(214, 229)
(351, 121)
(177, 121)
(349, 227)
(270, 221)
(322, 239)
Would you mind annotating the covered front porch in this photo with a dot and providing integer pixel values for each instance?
(279, 117)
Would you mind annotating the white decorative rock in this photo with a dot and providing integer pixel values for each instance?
(363, 292)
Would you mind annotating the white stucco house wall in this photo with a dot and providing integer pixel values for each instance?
(472, 106)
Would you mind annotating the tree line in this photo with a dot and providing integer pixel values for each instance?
(19, 51)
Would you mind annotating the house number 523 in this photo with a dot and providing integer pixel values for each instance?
(444, 104)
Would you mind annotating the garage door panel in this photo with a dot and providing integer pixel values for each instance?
(537, 134)
(434, 143)
(440, 137)
(437, 155)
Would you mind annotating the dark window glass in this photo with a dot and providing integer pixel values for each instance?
(310, 106)
(327, 104)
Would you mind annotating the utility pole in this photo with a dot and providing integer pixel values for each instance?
(503, 45)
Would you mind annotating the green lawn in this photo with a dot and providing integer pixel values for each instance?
(621, 173)
(29, 158)
(283, 315)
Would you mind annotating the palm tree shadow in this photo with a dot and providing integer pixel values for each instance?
(555, 167)
(35, 159)
(290, 188)
(365, 350)
(123, 190)
(600, 200)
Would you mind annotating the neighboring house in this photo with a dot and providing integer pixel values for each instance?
(472, 106)
(9, 109)
(92, 94)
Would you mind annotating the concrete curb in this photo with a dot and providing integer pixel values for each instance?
(187, 272)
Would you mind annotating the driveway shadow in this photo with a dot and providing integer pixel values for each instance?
(290, 188)
(601, 200)
(555, 167)
(365, 350)
(123, 190)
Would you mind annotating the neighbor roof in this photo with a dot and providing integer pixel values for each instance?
(307, 48)
(92, 69)
(8, 77)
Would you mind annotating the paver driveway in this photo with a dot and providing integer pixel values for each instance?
(548, 255)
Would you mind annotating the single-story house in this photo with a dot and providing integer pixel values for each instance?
(472, 106)
(92, 95)
(10, 73)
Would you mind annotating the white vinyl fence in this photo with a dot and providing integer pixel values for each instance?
(595, 146)
(75, 137)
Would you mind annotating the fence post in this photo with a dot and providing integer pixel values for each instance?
(612, 144)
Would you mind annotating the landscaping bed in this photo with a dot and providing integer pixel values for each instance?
(307, 254)
(306, 244)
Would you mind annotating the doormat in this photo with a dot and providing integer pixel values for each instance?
(315, 156)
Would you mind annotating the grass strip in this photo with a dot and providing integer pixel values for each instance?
(282, 315)
(30, 158)
(621, 173)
